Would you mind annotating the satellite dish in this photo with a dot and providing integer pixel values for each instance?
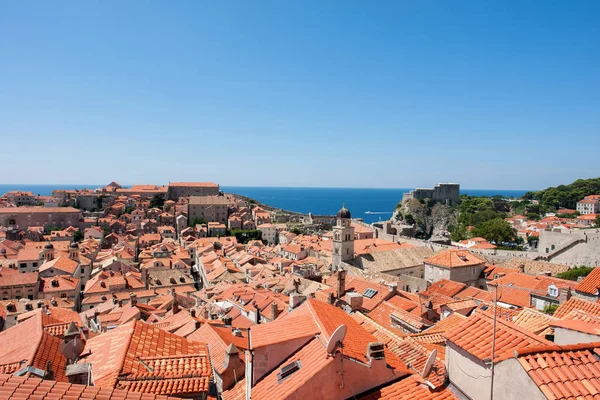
(73, 349)
(429, 363)
(337, 337)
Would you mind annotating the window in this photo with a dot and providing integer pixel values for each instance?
(552, 291)
(23, 265)
(82, 270)
(288, 370)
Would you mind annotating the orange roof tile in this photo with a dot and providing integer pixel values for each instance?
(444, 287)
(564, 372)
(117, 355)
(475, 336)
(534, 321)
(590, 283)
(575, 303)
(14, 387)
(410, 388)
(454, 259)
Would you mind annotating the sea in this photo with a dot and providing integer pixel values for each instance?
(371, 205)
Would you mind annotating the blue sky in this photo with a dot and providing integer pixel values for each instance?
(502, 95)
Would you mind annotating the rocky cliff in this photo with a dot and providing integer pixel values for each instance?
(430, 219)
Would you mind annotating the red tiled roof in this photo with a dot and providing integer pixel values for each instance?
(410, 388)
(575, 303)
(454, 259)
(475, 336)
(475, 293)
(590, 283)
(591, 328)
(115, 358)
(534, 321)
(565, 372)
(313, 357)
(9, 279)
(444, 287)
(13, 387)
(31, 346)
(61, 263)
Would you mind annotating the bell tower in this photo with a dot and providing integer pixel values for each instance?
(343, 239)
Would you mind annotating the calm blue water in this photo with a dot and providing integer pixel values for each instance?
(369, 204)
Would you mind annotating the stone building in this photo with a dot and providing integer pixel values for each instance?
(447, 193)
(454, 265)
(24, 217)
(343, 238)
(185, 189)
(210, 208)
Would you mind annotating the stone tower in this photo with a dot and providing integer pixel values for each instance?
(343, 239)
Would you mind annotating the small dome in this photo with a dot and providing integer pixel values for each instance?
(74, 245)
(344, 213)
(48, 246)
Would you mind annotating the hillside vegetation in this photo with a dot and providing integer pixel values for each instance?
(564, 196)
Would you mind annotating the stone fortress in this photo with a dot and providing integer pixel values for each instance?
(447, 193)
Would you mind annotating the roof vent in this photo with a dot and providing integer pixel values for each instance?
(287, 370)
(376, 351)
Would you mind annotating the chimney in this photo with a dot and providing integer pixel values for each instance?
(341, 283)
(227, 320)
(331, 298)
(257, 314)
(175, 306)
(522, 268)
(375, 351)
(205, 313)
(132, 299)
(564, 295)
(193, 312)
(274, 311)
(197, 324)
(296, 299)
(355, 300)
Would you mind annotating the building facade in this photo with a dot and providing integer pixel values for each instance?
(24, 217)
(447, 193)
(185, 189)
(209, 208)
(343, 239)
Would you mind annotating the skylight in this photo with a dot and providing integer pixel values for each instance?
(288, 370)
(370, 293)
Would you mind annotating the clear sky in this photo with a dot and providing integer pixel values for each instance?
(502, 95)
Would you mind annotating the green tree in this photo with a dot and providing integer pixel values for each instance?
(409, 219)
(496, 230)
(197, 221)
(551, 309)
(597, 220)
(77, 236)
(458, 232)
(157, 201)
(574, 273)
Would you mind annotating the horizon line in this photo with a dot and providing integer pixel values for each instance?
(251, 186)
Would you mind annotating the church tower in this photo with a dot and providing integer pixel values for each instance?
(343, 239)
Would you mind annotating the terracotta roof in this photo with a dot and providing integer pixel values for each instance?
(591, 328)
(194, 184)
(58, 283)
(31, 346)
(117, 355)
(28, 278)
(35, 210)
(534, 321)
(444, 287)
(454, 259)
(381, 315)
(13, 387)
(313, 358)
(474, 293)
(475, 336)
(575, 303)
(565, 372)
(298, 324)
(590, 283)
(62, 263)
(410, 388)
